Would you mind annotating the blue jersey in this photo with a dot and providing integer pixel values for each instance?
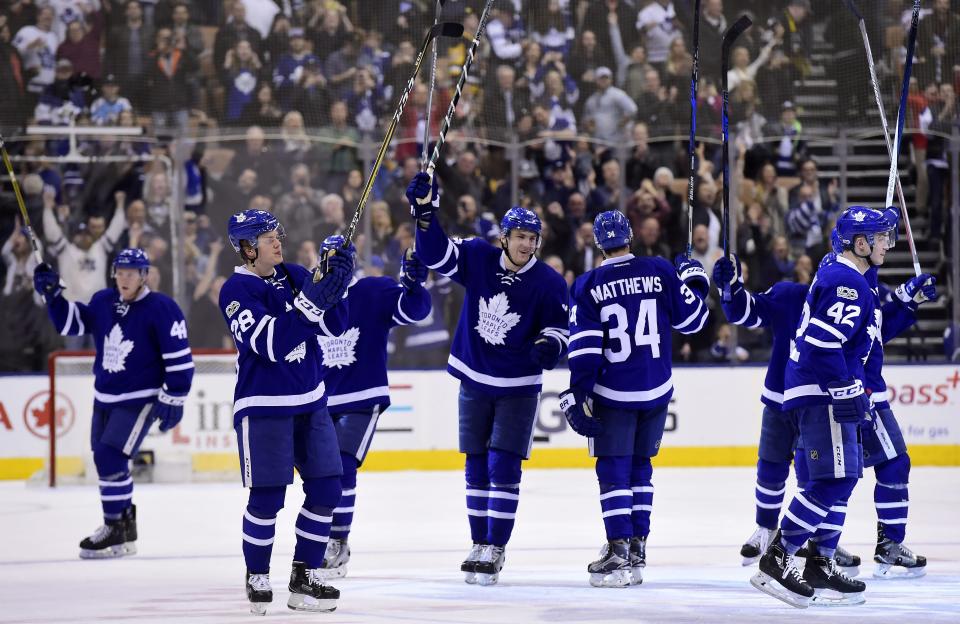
(141, 346)
(779, 310)
(356, 360)
(276, 330)
(839, 324)
(504, 312)
(620, 319)
(431, 331)
(895, 317)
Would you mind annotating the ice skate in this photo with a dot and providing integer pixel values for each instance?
(638, 559)
(613, 568)
(336, 558)
(756, 545)
(114, 539)
(309, 592)
(469, 565)
(896, 561)
(778, 576)
(259, 592)
(490, 563)
(831, 586)
(848, 563)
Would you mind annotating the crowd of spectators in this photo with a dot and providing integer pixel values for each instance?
(595, 93)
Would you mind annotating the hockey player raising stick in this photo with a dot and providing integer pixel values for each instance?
(142, 373)
(621, 381)
(357, 377)
(276, 312)
(513, 325)
(824, 382)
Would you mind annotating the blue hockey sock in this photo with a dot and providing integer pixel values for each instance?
(771, 485)
(504, 468)
(315, 518)
(641, 486)
(810, 507)
(343, 512)
(116, 484)
(478, 494)
(891, 496)
(828, 533)
(616, 497)
(260, 526)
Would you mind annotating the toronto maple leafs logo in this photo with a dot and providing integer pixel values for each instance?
(239, 217)
(116, 350)
(874, 332)
(859, 216)
(298, 353)
(340, 351)
(496, 319)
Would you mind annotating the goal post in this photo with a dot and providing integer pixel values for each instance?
(201, 448)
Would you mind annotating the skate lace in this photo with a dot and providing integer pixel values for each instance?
(475, 552)
(904, 552)
(100, 534)
(260, 582)
(835, 570)
(791, 570)
(490, 553)
(316, 576)
(760, 538)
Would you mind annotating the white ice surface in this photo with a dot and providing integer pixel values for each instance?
(410, 534)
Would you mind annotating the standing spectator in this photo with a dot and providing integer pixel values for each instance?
(256, 155)
(127, 48)
(341, 66)
(19, 261)
(825, 193)
(586, 59)
(264, 111)
(503, 102)
(300, 208)
(504, 36)
(607, 111)
(234, 30)
(648, 241)
(743, 69)
(13, 83)
(771, 196)
(82, 46)
(754, 238)
(37, 46)
(551, 28)
(470, 224)
(241, 71)
(938, 44)
(337, 152)
(460, 179)
(310, 95)
(657, 104)
(289, 70)
(332, 217)
(169, 78)
(789, 147)
(335, 28)
(606, 195)
(582, 256)
(658, 23)
(938, 120)
(632, 68)
(158, 198)
(712, 26)
(278, 41)
(184, 29)
(797, 42)
(295, 144)
(804, 223)
(676, 74)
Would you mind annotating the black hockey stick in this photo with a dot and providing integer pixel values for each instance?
(728, 38)
(433, 83)
(27, 228)
(692, 144)
(448, 118)
(892, 152)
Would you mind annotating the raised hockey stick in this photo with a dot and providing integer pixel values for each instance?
(433, 83)
(728, 38)
(891, 151)
(448, 118)
(692, 144)
(27, 228)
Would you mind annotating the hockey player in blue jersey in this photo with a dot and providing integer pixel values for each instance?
(357, 390)
(512, 326)
(824, 383)
(277, 312)
(142, 373)
(621, 315)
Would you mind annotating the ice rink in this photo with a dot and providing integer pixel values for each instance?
(410, 534)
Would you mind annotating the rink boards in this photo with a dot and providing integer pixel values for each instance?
(714, 421)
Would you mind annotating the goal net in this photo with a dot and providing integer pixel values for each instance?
(202, 447)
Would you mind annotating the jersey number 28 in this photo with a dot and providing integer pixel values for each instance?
(242, 323)
(645, 332)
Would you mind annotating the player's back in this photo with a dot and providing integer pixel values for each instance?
(781, 308)
(624, 310)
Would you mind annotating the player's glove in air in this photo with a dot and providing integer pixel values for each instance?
(47, 282)
(579, 415)
(919, 289)
(168, 410)
(692, 274)
(327, 292)
(424, 197)
(413, 272)
(545, 352)
(850, 403)
(728, 271)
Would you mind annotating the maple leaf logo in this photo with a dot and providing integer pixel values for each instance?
(496, 319)
(297, 354)
(41, 416)
(859, 216)
(116, 350)
(340, 351)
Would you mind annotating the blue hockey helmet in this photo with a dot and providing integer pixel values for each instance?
(131, 258)
(249, 224)
(520, 219)
(835, 243)
(867, 222)
(612, 230)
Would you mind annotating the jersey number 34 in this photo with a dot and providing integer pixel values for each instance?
(645, 332)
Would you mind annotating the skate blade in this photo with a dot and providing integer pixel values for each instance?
(335, 573)
(487, 579)
(771, 587)
(833, 598)
(258, 608)
(636, 575)
(617, 578)
(111, 552)
(303, 602)
(888, 572)
(470, 578)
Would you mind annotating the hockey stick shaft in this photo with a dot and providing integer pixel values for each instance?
(27, 227)
(433, 83)
(451, 109)
(886, 132)
(692, 144)
(728, 38)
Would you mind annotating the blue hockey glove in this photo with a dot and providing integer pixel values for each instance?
(728, 271)
(850, 403)
(168, 410)
(424, 197)
(320, 296)
(918, 290)
(692, 274)
(545, 352)
(579, 414)
(47, 282)
(413, 272)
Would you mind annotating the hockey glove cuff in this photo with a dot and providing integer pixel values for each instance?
(413, 272)
(692, 274)
(546, 352)
(849, 402)
(168, 410)
(728, 271)
(579, 413)
(918, 290)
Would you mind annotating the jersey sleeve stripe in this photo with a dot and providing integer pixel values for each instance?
(256, 332)
(81, 328)
(746, 313)
(690, 318)
(270, 340)
(71, 309)
(828, 328)
(755, 324)
(179, 367)
(588, 333)
(451, 249)
(581, 352)
(176, 354)
(323, 327)
(821, 343)
(406, 319)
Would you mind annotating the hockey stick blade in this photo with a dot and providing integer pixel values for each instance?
(447, 29)
(735, 31)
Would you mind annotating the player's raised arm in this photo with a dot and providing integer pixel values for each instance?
(742, 308)
(437, 251)
(413, 303)
(688, 310)
(71, 318)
